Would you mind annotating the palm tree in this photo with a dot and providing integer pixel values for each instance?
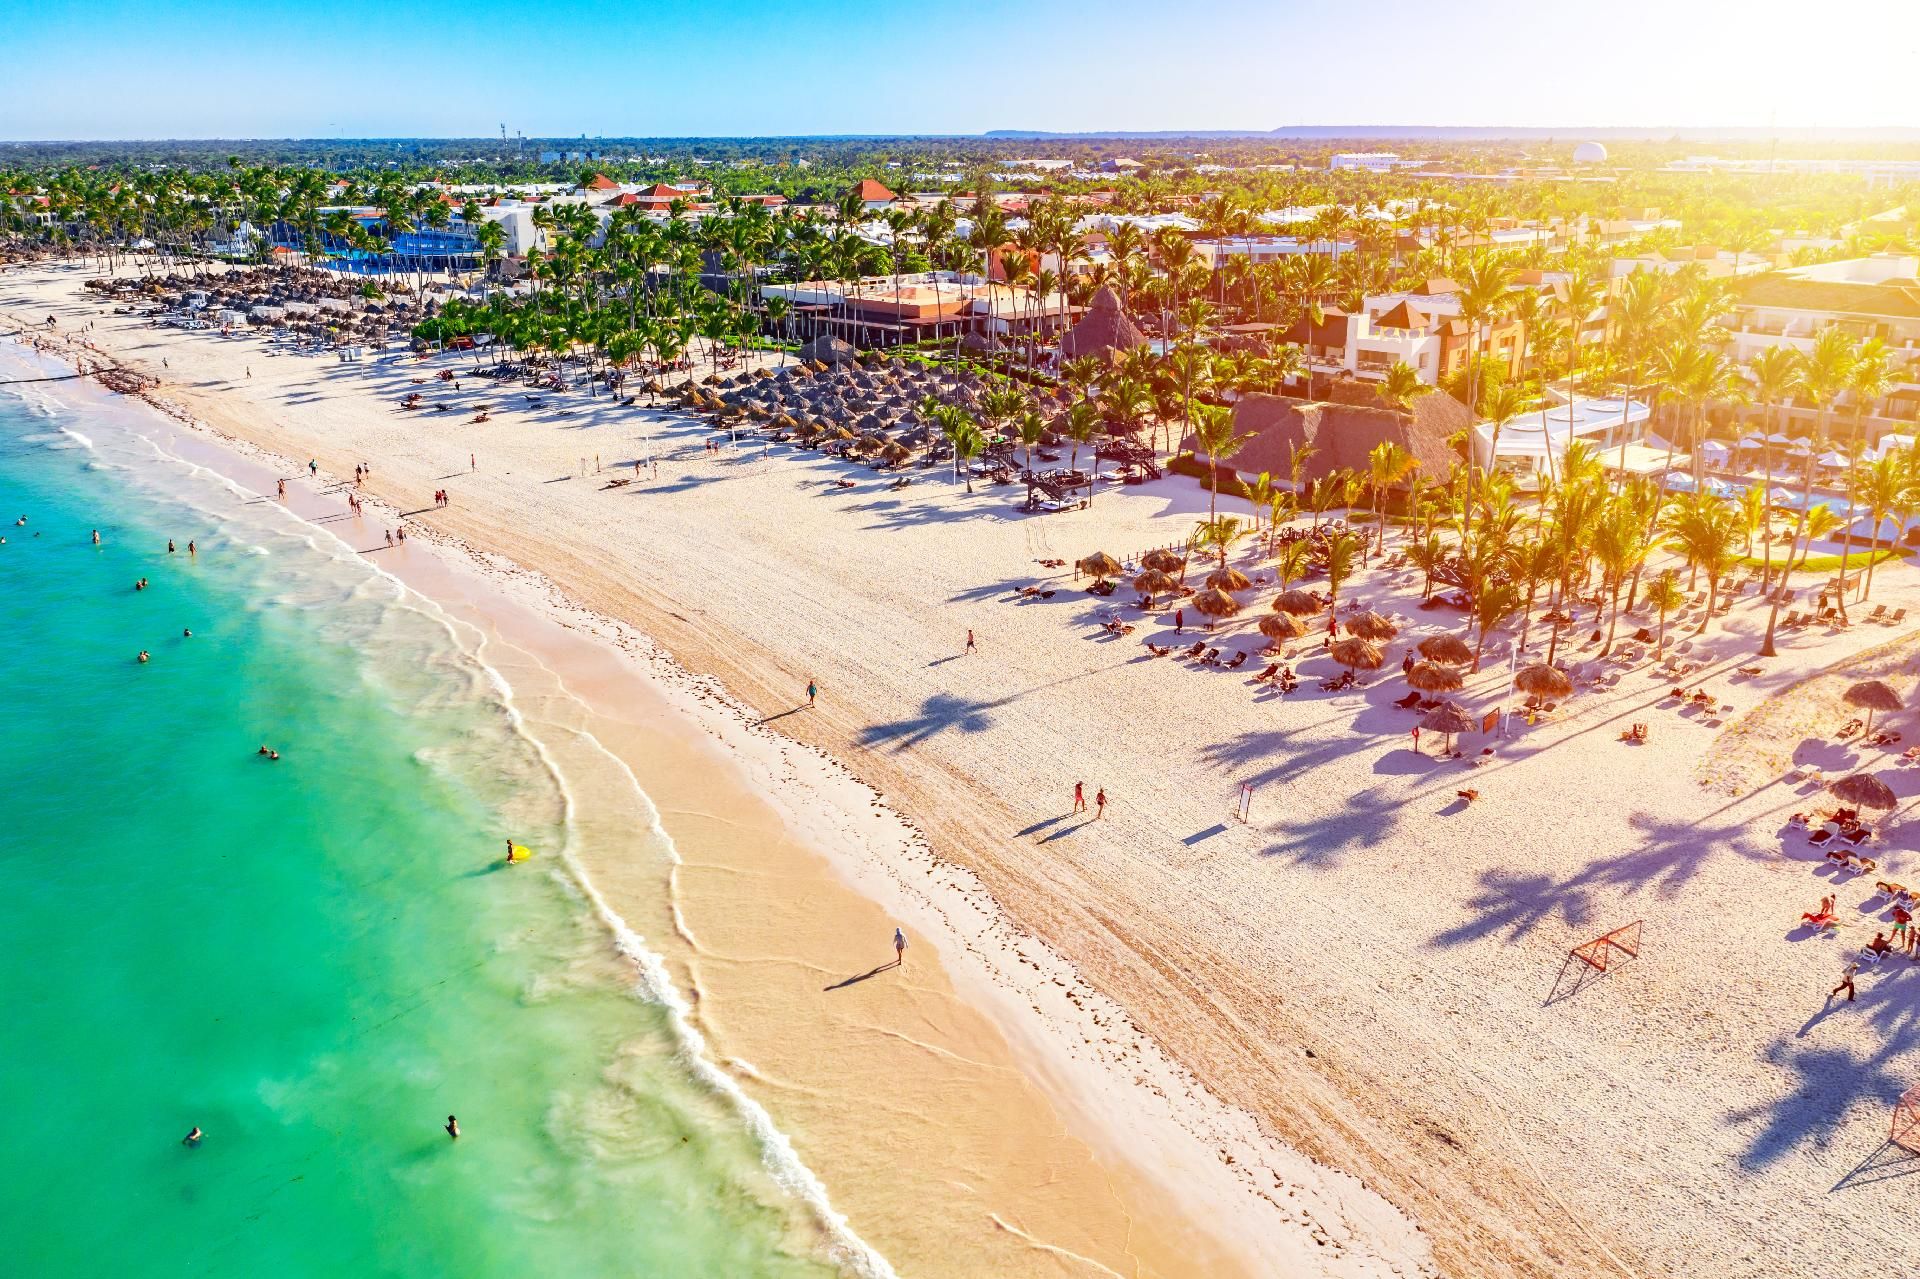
(1664, 594)
(1776, 378)
(1883, 488)
(1387, 465)
(1824, 372)
(1293, 561)
(1621, 545)
(1706, 531)
(1428, 555)
(1492, 606)
(968, 443)
(1870, 378)
(1401, 384)
(1484, 286)
(1213, 434)
(1342, 559)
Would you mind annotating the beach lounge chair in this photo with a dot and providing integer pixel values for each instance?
(1212, 658)
(1896, 617)
(1879, 612)
(1159, 650)
(1821, 836)
(1272, 669)
(1824, 921)
(1236, 663)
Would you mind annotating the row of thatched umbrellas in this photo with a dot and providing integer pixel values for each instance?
(1442, 655)
(877, 407)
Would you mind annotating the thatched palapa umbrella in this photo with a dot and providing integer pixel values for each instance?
(1099, 566)
(1281, 626)
(1215, 603)
(1165, 561)
(1541, 680)
(1228, 578)
(1431, 677)
(1864, 790)
(1297, 602)
(1155, 582)
(1872, 695)
(1448, 649)
(1356, 654)
(1371, 626)
(1447, 718)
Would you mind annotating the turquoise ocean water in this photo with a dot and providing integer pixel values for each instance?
(315, 960)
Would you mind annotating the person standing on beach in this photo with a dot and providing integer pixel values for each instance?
(1179, 620)
(283, 490)
(473, 463)
(1100, 802)
(971, 646)
(813, 690)
(1079, 797)
(899, 948)
(1416, 739)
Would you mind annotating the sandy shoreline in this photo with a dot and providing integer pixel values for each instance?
(991, 1153)
(1369, 969)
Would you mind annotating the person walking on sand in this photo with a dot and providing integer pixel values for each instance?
(1416, 739)
(1079, 797)
(313, 468)
(283, 490)
(899, 948)
(473, 463)
(1179, 620)
(1846, 982)
(453, 1128)
(813, 690)
(971, 646)
(1100, 803)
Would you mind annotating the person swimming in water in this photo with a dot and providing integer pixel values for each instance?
(192, 1138)
(453, 1128)
(96, 537)
(143, 655)
(186, 632)
(170, 546)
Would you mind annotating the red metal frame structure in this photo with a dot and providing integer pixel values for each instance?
(1611, 948)
(1905, 1132)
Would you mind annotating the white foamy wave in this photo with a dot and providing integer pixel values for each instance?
(656, 984)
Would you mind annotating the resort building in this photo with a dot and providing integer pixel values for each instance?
(1530, 447)
(874, 196)
(1370, 161)
(921, 306)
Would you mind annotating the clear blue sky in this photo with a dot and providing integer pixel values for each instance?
(270, 68)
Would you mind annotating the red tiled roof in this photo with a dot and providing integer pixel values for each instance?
(601, 182)
(871, 190)
(1400, 316)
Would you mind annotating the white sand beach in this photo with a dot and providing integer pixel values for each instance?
(1343, 1037)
